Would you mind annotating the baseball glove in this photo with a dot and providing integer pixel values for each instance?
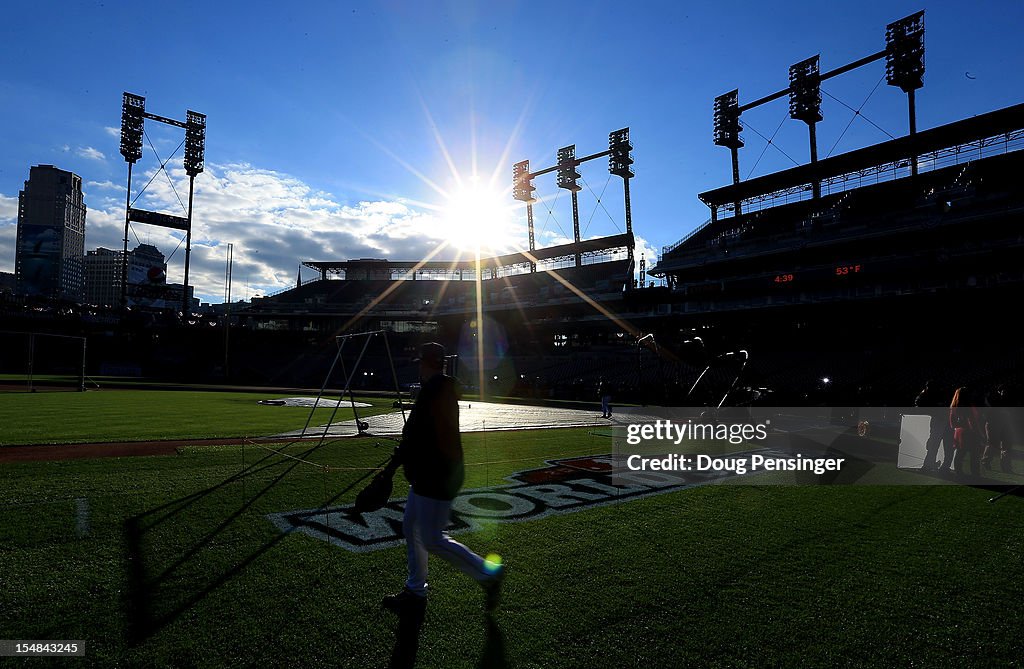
(377, 492)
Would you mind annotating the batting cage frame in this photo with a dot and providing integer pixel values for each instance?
(313, 439)
(50, 362)
(362, 427)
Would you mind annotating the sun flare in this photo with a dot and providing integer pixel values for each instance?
(478, 217)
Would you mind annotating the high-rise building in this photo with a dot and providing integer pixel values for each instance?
(104, 273)
(48, 259)
(103, 277)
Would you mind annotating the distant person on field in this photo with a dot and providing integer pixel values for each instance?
(604, 391)
(967, 422)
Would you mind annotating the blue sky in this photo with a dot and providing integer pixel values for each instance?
(336, 129)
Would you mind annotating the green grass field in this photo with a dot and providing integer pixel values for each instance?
(177, 565)
(140, 415)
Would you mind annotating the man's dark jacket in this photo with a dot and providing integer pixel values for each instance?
(431, 449)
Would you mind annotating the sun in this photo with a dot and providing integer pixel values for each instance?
(477, 217)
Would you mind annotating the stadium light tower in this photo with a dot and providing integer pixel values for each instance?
(727, 132)
(522, 190)
(132, 123)
(904, 64)
(805, 104)
(195, 158)
(132, 109)
(619, 163)
(567, 176)
(133, 116)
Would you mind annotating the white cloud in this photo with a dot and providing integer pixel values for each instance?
(113, 132)
(650, 255)
(90, 153)
(8, 231)
(8, 208)
(105, 185)
(275, 221)
(8, 240)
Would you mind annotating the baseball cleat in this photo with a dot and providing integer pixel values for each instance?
(404, 601)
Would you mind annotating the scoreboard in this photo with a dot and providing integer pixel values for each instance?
(817, 274)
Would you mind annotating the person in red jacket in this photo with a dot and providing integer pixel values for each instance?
(432, 459)
(968, 426)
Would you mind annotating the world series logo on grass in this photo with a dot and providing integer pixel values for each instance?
(564, 486)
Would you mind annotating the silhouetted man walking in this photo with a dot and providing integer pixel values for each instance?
(431, 455)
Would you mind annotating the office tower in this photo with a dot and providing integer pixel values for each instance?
(104, 269)
(48, 259)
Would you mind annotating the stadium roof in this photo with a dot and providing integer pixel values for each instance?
(983, 126)
(589, 246)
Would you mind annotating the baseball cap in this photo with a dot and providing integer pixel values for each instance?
(431, 352)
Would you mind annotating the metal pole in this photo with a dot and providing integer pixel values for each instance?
(533, 247)
(124, 255)
(828, 75)
(81, 384)
(912, 105)
(738, 206)
(185, 306)
(227, 308)
(629, 215)
(548, 170)
(576, 224)
(813, 135)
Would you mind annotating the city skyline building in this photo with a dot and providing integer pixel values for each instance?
(50, 247)
(147, 274)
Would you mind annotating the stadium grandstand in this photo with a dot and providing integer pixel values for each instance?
(537, 307)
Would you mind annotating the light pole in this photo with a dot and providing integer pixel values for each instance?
(228, 266)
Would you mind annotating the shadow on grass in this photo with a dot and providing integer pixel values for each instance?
(407, 638)
(407, 642)
(143, 587)
(494, 655)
